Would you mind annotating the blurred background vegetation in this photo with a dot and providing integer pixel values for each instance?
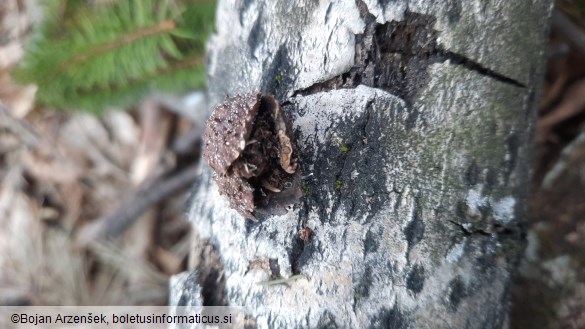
(101, 102)
(91, 205)
(90, 56)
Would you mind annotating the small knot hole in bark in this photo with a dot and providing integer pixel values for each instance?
(248, 145)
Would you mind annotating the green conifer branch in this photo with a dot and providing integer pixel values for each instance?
(79, 59)
(173, 68)
(92, 57)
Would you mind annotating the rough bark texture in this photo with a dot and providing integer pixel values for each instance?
(413, 121)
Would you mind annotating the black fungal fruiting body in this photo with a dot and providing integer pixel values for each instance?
(248, 145)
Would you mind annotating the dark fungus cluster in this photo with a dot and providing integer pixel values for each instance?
(249, 147)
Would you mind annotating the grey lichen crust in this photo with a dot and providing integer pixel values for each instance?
(413, 202)
(184, 290)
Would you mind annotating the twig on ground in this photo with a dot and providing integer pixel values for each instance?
(146, 197)
(572, 105)
(18, 127)
(573, 32)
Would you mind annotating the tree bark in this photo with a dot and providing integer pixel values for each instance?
(412, 121)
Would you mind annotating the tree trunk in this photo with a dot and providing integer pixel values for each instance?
(412, 121)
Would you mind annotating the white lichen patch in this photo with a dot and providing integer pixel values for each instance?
(387, 13)
(333, 106)
(323, 44)
(503, 210)
(475, 200)
(337, 22)
(456, 252)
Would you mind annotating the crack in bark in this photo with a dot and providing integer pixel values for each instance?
(471, 65)
(295, 254)
(340, 186)
(414, 231)
(210, 276)
(395, 57)
(468, 232)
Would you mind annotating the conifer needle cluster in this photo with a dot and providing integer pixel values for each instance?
(93, 55)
